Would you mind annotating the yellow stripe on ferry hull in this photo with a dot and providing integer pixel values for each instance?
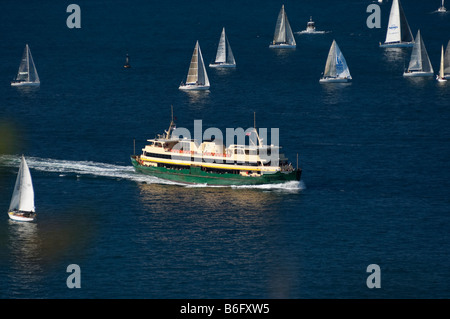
(218, 166)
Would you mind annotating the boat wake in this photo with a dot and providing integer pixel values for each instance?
(311, 32)
(291, 186)
(78, 169)
(67, 168)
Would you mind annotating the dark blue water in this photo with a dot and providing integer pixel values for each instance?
(374, 154)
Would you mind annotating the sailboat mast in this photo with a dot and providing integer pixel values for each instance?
(22, 179)
(225, 43)
(28, 64)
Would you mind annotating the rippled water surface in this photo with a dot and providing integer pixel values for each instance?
(374, 154)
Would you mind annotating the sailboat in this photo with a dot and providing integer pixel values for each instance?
(336, 68)
(420, 64)
(441, 76)
(27, 74)
(224, 56)
(22, 201)
(398, 32)
(197, 78)
(442, 8)
(283, 37)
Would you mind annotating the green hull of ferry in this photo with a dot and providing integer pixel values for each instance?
(195, 175)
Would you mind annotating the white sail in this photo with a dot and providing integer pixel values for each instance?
(283, 32)
(330, 65)
(447, 60)
(221, 55)
(224, 53)
(202, 75)
(289, 35)
(420, 62)
(336, 65)
(342, 70)
(280, 28)
(441, 67)
(22, 74)
(230, 57)
(415, 63)
(398, 30)
(33, 75)
(23, 195)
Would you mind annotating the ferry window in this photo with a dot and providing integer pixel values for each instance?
(166, 156)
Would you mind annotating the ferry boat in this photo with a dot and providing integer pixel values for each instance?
(210, 162)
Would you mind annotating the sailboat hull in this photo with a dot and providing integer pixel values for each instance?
(222, 65)
(22, 216)
(193, 87)
(335, 80)
(282, 46)
(25, 83)
(397, 45)
(418, 74)
(439, 79)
